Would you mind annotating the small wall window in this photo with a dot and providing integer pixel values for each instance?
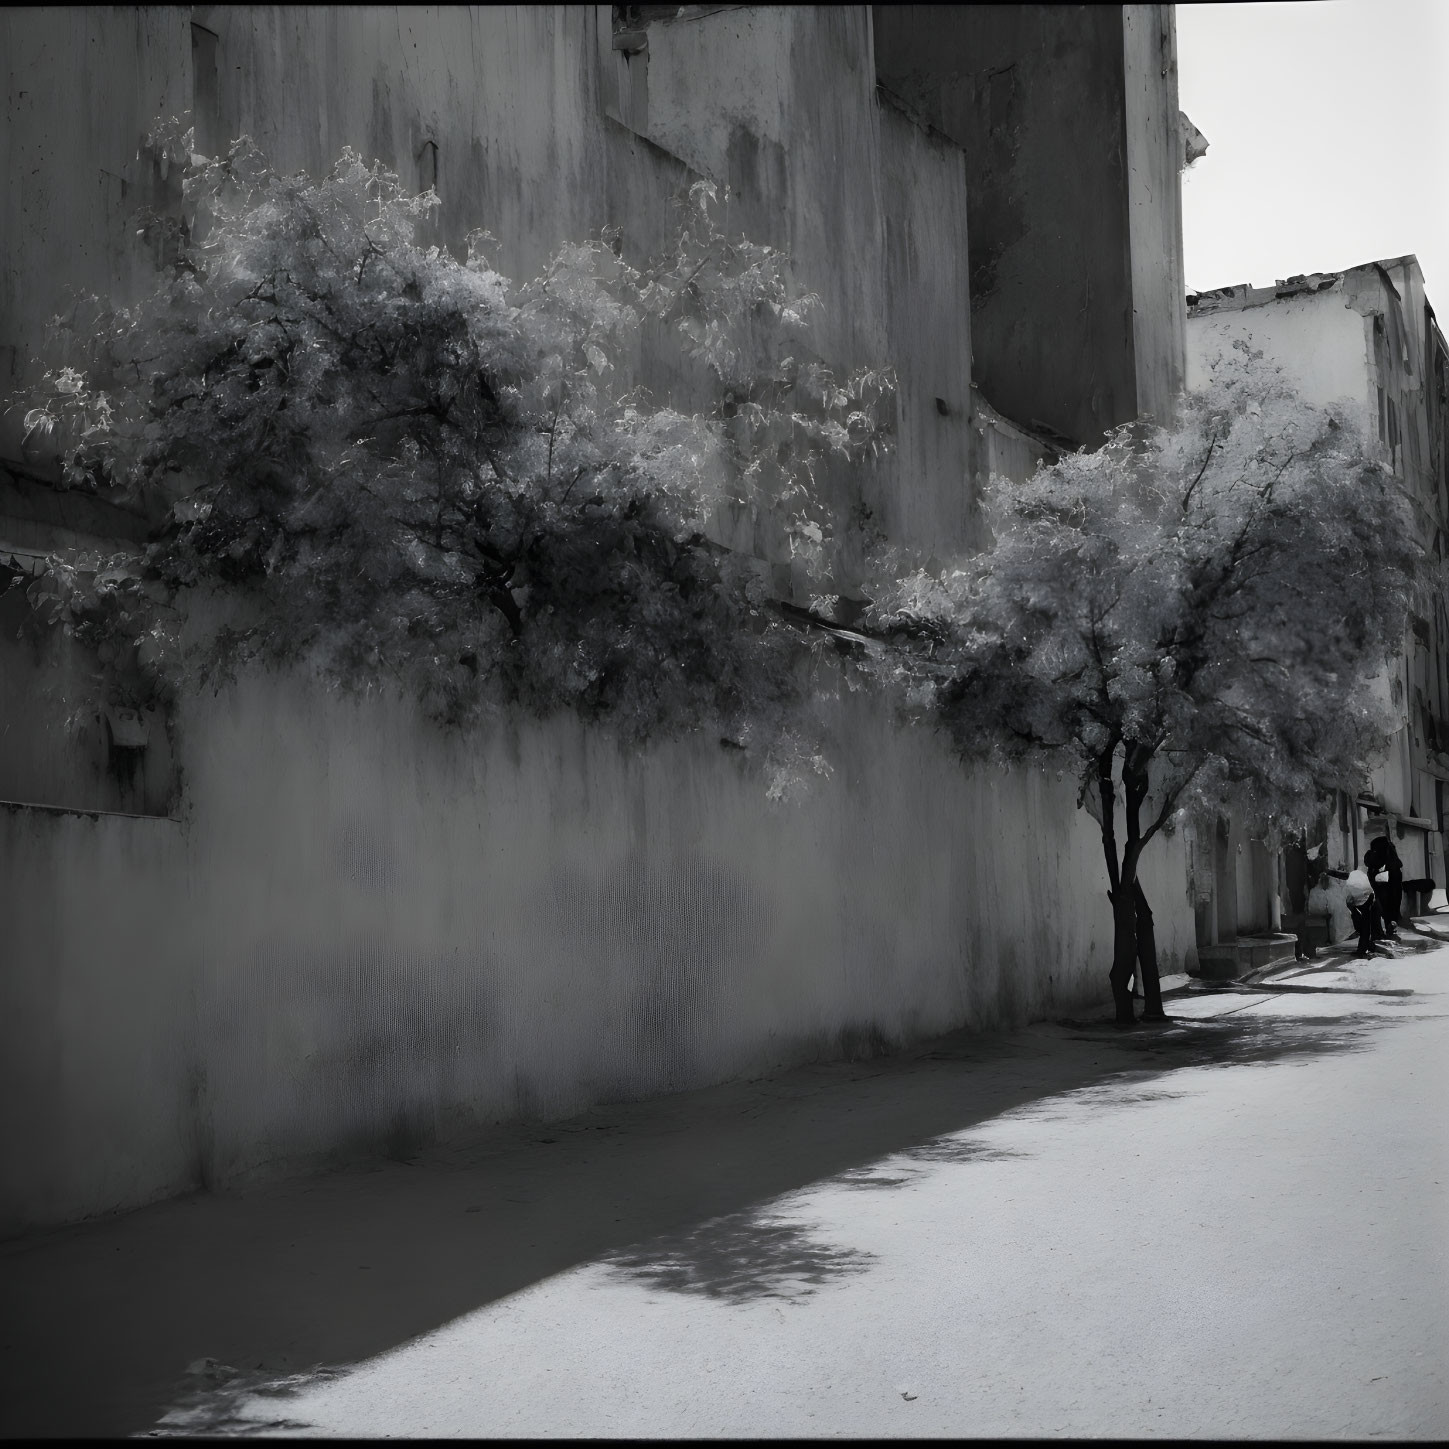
(428, 167)
(205, 100)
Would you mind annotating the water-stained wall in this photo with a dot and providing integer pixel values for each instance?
(82, 86)
(1154, 157)
(364, 934)
(358, 933)
(1067, 116)
(509, 111)
(934, 502)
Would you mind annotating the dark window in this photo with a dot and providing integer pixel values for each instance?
(428, 166)
(205, 104)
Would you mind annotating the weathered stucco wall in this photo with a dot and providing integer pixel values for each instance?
(507, 110)
(364, 934)
(934, 502)
(1068, 119)
(506, 94)
(53, 753)
(1154, 204)
(82, 86)
(1317, 339)
(1033, 95)
(359, 934)
(49, 754)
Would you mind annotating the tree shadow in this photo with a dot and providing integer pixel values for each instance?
(759, 1253)
(738, 1258)
(220, 1402)
(682, 1193)
(1239, 1039)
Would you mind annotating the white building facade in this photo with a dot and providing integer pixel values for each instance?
(1367, 338)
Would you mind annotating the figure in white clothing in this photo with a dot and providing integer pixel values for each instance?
(1327, 898)
(1364, 908)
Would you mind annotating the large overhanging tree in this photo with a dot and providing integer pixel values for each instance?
(394, 464)
(1195, 617)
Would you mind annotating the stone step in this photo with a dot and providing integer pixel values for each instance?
(1231, 959)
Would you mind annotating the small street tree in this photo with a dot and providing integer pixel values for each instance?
(1194, 617)
(399, 467)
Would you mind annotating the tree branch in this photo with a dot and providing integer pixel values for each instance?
(1109, 807)
(1192, 487)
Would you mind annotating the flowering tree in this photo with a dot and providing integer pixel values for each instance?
(1194, 616)
(396, 465)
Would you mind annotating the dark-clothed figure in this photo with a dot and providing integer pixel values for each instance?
(1381, 857)
(1364, 909)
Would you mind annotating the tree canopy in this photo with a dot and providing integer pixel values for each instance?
(400, 466)
(1194, 616)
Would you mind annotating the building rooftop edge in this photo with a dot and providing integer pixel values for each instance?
(1245, 294)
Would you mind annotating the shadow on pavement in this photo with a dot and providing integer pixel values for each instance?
(98, 1322)
(222, 1402)
(745, 1255)
(754, 1254)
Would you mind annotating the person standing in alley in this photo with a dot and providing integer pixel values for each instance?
(1381, 859)
(1327, 899)
(1364, 908)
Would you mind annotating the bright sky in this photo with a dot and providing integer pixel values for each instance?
(1328, 127)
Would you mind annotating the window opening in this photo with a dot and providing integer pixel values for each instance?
(205, 103)
(428, 167)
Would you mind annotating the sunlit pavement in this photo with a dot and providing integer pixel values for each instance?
(1233, 1226)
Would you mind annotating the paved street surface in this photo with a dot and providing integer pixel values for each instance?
(1231, 1226)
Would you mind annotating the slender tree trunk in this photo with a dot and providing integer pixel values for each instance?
(1124, 952)
(1135, 946)
(1124, 914)
(1147, 958)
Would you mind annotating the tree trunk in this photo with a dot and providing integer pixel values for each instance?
(1147, 958)
(1124, 915)
(1124, 951)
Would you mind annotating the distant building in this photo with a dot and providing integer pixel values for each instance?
(1366, 336)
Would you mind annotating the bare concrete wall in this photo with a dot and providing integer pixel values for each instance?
(1154, 205)
(1319, 341)
(506, 109)
(82, 86)
(506, 94)
(1033, 95)
(1067, 115)
(50, 753)
(934, 502)
(364, 934)
(54, 752)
